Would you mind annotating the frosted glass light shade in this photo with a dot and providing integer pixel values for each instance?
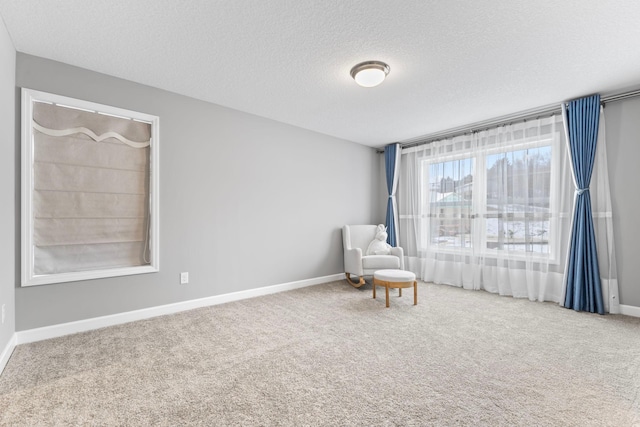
(370, 73)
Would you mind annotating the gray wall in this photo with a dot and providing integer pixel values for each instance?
(7, 184)
(245, 202)
(623, 156)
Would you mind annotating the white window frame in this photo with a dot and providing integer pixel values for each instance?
(479, 164)
(29, 278)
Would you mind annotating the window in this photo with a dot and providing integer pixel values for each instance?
(89, 190)
(518, 198)
(450, 193)
(495, 199)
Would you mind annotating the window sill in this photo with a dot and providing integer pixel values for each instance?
(75, 276)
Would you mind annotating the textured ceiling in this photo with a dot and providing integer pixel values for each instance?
(452, 62)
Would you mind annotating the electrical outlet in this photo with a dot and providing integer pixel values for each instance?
(3, 314)
(184, 278)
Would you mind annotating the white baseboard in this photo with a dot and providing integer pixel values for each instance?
(6, 353)
(53, 331)
(630, 310)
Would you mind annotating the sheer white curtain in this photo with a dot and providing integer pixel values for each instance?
(492, 210)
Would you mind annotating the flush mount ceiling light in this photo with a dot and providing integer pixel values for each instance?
(370, 73)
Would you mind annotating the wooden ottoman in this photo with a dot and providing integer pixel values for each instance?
(395, 279)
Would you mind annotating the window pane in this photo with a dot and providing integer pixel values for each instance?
(450, 196)
(518, 194)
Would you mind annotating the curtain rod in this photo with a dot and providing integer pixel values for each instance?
(545, 111)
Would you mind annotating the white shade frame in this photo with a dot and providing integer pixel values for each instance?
(28, 275)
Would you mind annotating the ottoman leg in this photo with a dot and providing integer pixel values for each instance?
(387, 293)
(415, 292)
(399, 292)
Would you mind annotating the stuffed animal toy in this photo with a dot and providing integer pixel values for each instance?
(379, 245)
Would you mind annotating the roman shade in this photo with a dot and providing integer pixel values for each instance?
(90, 195)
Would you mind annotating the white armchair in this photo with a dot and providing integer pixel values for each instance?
(356, 239)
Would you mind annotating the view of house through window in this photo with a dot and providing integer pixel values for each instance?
(450, 198)
(511, 191)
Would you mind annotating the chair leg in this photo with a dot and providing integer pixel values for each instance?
(354, 284)
(374, 288)
(415, 292)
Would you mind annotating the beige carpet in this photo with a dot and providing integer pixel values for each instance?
(331, 355)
